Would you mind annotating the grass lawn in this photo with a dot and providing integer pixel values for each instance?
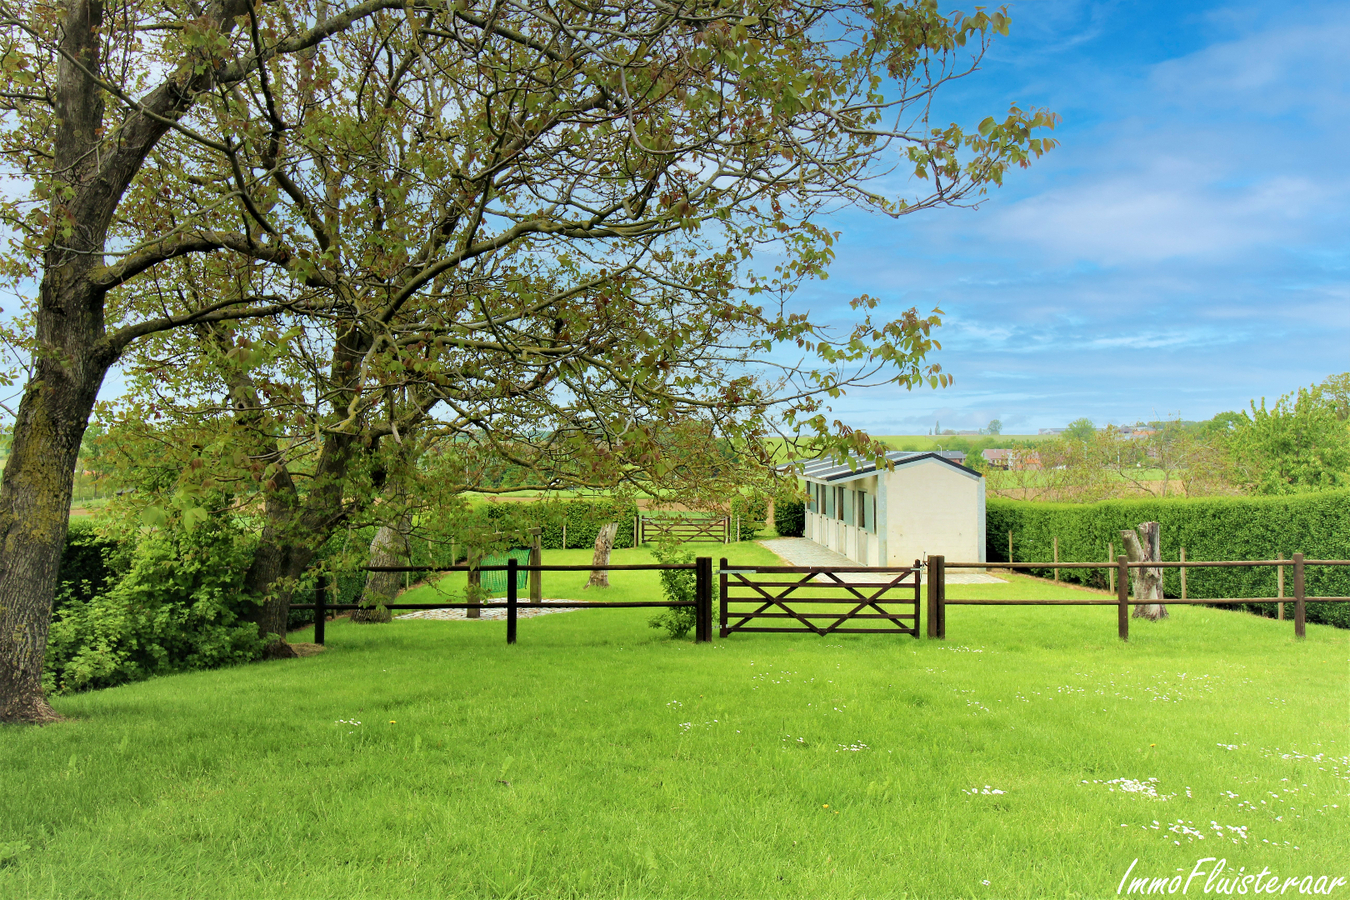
(1030, 755)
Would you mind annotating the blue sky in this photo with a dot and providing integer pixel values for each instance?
(1182, 252)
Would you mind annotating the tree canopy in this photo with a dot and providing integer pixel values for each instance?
(529, 227)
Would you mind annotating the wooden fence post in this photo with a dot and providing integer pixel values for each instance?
(564, 538)
(1279, 584)
(1300, 625)
(1010, 556)
(931, 587)
(1123, 597)
(703, 597)
(1055, 542)
(320, 612)
(722, 596)
(1183, 575)
(937, 574)
(512, 599)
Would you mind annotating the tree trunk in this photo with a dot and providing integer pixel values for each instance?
(1146, 546)
(473, 591)
(34, 516)
(73, 351)
(604, 543)
(390, 548)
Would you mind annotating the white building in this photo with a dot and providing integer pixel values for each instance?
(927, 505)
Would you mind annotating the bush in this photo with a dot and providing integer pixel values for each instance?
(678, 586)
(752, 513)
(87, 564)
(789, 516)
(1211, 528)
(177, 607)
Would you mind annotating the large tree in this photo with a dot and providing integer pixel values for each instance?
(463, 198)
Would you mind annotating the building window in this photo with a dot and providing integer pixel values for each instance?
(839, 504)
(829, 501)
(847, 507)
(870, 513)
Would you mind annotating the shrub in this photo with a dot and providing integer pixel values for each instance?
(177, 607)
(87, 564)
(789, 515)
(678, 586)
(752, 512)
(1210, 528)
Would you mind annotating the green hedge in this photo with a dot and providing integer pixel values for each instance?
(1214, 528)
(789, 516)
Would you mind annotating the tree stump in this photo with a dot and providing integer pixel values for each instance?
(390, 548)
(1145, 545)
(604, 543)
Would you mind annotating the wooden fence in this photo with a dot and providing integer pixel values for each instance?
(702, 603)
(863, 600)
(938, 602)
(685, 530)
(798, 596)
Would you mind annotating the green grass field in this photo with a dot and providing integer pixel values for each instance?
(1030, 755)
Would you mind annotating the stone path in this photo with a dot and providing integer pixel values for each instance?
(525, 610)
(803, 552)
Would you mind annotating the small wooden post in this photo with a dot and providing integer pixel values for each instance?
(1010, 556)
(931, 588)
(1111, 572)
(722, 596)
(512, 599)
(703, 597)
(320, 612)
(941, 579)
(1183, 575)
(738, 529)
(1279, 584)
(536, 559)
(1123, 597)
(564, 546)
(1055, 542)
(1300, 625)
(635, 530)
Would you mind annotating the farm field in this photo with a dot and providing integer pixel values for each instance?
(1030, 755)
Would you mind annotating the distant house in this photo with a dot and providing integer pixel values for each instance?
(1009, 459)
(928, 504)
(1052, 431)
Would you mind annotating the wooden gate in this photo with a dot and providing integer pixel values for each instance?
(700, 529)
(816, 599)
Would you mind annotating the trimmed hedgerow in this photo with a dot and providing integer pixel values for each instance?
(1211, 528)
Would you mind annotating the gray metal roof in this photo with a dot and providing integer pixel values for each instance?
(829, 470)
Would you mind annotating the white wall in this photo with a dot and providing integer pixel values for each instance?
(933, 508)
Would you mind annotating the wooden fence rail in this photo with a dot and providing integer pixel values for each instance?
(702, 603)
(937, 587)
